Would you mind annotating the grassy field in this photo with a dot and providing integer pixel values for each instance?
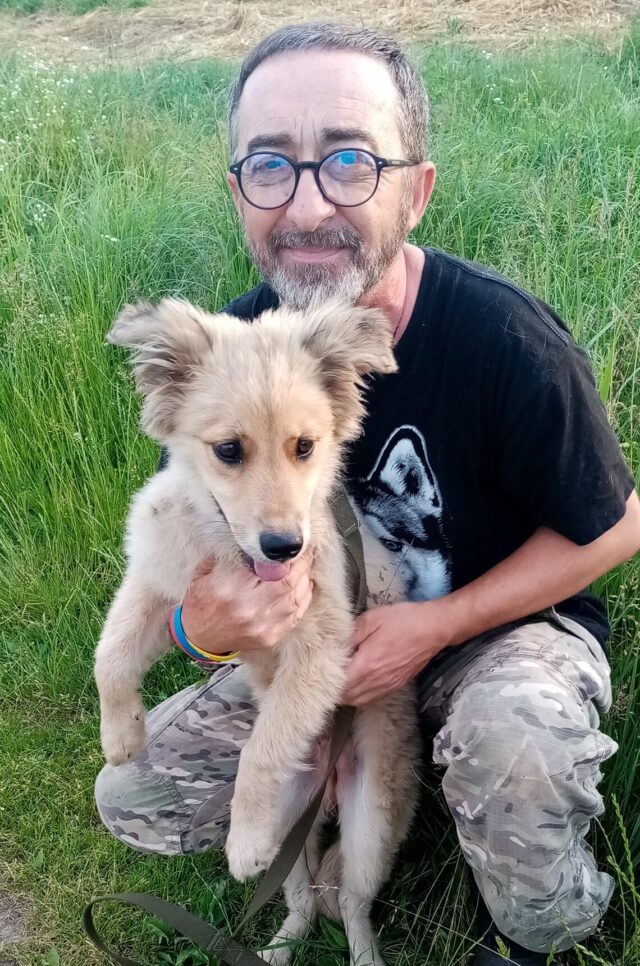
(112, 187)
(68, 6)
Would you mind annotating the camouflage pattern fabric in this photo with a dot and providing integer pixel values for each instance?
(516, 714)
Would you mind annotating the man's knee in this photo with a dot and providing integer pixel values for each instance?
(505, 732)
(523, 762)
(175, 797)
(543, 922)
(141, 808)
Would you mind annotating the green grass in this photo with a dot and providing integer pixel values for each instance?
(68, 6)
(112, 187)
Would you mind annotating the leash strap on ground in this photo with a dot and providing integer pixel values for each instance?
(200, 932)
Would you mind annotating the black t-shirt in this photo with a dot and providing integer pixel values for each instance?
(491, 428)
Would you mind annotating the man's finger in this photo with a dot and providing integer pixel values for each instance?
(356, 673)
(364, 626)
(204, 567)
(299, 569)
(305, 599)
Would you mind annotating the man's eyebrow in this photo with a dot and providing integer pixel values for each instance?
(260, 141)
(350, 134)
(284, 141)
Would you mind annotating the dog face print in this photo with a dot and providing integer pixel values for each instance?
(401, 504)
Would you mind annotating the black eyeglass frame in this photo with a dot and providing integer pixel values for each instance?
(299, 166)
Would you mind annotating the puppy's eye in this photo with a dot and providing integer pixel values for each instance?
(304, 448)
(229, 452)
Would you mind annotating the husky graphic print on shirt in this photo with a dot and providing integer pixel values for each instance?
(400, 503)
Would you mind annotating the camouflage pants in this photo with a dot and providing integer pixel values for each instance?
(516, 714)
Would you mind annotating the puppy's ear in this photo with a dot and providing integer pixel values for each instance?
(349, 342)
(355, 337)
(169, 342)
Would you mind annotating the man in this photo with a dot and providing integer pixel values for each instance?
(486, 464)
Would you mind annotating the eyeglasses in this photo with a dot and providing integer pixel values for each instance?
(347, 178)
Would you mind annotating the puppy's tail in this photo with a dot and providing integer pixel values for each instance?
(328, 882)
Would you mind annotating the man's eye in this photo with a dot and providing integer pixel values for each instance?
(347, 158)
(304, 448)
(229, 452)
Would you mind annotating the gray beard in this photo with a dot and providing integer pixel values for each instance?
(296, 287)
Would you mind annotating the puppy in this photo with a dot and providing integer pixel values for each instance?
(255, 418)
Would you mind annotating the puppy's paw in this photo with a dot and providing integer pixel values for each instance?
(250, 849)
(276, 957)
(122, 733)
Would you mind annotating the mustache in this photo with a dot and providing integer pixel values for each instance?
(320, 238)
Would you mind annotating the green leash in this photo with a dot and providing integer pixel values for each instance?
(203, 934)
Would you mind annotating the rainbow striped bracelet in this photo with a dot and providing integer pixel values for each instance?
(195, 653)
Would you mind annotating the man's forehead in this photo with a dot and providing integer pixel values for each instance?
(330, 96)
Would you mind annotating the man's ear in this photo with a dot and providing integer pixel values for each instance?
(423, 179)
(349, 342)
(236, 194)
(169, 343)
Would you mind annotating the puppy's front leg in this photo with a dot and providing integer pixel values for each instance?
(294, 711)
(134, 636)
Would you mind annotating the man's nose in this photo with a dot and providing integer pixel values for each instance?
(308, 208)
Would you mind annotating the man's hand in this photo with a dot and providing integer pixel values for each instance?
(235, 611)
(392, 645)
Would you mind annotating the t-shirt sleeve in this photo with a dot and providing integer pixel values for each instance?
(555, 453)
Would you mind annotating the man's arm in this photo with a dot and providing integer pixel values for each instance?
(546, 569)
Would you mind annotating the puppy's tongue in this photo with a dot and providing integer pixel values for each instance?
(270, 571)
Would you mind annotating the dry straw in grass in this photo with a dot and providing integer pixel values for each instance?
(187, 29)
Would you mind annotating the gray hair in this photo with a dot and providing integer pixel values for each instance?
(414, 104)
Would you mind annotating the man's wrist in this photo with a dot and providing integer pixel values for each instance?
(194, 651)
(469, 611)
(444, 623)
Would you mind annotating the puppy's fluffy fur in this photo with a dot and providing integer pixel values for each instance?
(210, 379)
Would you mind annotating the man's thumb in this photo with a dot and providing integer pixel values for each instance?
(204, 567)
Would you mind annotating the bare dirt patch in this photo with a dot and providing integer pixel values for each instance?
(189, 29)
(14, 911)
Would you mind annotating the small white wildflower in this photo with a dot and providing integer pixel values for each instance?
(497, 100)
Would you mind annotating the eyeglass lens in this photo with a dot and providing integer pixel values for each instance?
(347, 178)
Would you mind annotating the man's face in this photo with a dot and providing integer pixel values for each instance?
(306, 104)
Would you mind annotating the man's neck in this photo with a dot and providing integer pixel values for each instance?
(397, 290)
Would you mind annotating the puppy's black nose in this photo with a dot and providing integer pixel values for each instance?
(280, 546)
